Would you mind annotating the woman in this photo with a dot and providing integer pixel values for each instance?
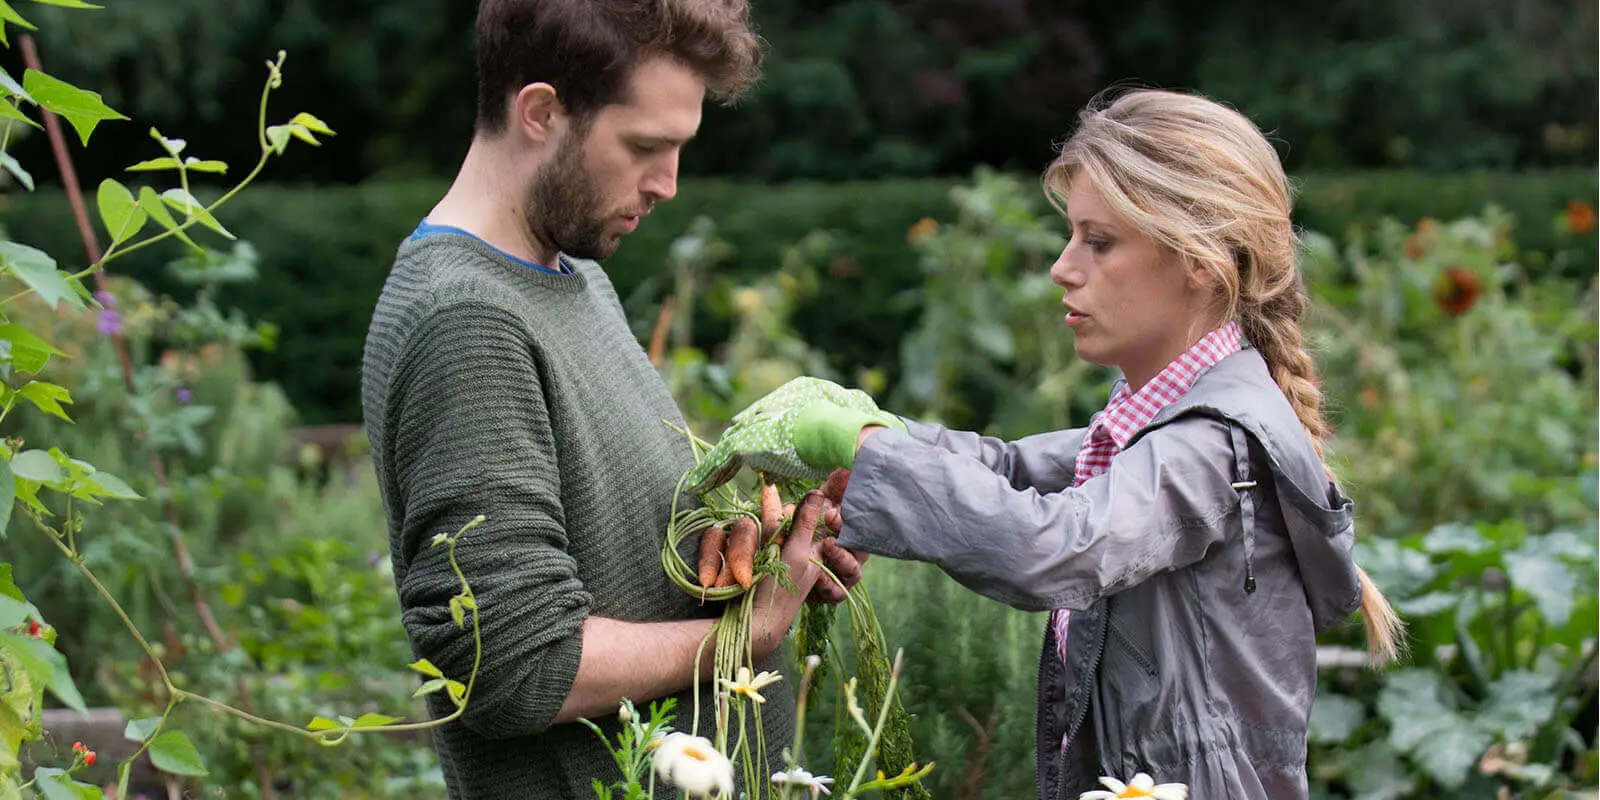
(1190, 542)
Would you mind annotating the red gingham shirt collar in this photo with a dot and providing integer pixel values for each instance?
(1128, 412)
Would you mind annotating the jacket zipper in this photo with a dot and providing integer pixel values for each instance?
(1087, 680)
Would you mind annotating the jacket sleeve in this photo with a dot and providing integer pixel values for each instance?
(1162, 504)
(1044, 461)
(473, 436)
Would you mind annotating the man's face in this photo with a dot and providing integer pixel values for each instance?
(607, 174)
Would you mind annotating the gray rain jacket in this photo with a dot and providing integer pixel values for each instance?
(1199, 568)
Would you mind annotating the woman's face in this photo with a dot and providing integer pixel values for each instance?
(1131, 303)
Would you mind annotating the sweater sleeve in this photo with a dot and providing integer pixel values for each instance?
(473, 436)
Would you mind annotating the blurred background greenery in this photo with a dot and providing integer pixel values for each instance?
(872, 215)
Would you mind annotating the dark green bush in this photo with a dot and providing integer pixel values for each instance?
(325, 251)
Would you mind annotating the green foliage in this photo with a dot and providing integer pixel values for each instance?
(1464, 380)
(1502, 625)
(872, 88)
(323, 253)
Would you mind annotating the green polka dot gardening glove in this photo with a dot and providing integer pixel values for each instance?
(803, 430)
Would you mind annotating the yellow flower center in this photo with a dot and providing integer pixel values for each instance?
(1134, 791)
(696, 753)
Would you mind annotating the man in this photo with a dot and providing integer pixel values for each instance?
(500, 378)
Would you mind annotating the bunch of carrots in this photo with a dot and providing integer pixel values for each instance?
(728, 550)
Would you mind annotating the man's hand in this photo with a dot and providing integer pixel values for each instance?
(777, 607)
(846, 564)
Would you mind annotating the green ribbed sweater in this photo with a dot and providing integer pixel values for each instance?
(491, 388)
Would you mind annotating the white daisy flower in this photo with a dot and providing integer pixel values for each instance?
(693, 764)
(747, 686)
(817, 785)
(1142, 785)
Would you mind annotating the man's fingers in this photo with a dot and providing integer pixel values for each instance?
(834, 488)
(841, 562)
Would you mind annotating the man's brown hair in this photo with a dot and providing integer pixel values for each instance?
(588, 49)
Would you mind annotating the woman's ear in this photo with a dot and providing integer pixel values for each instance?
(1203, 277)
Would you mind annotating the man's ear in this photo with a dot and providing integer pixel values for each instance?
(537, 113)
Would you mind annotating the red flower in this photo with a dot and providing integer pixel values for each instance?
(34, 629)
(1457, 290)
(1580, 217)
(77, 747)
(88, 758)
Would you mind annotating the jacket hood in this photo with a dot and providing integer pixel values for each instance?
(1319, 518)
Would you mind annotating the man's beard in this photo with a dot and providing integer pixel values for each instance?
(564, 209)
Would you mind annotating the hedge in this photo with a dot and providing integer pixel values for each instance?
(325, 252)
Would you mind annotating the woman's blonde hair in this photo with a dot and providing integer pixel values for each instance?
(1200, 179)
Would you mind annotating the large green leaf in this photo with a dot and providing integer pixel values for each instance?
(8, 586)
(1456, 537)
(10, 86)
(12, 732)
(12, 612)
(82, 108)
(46, 666)
(1449, 755)
(1546, 578)
(1519, 704)
(54, 784)
(189, 206)
(1428, 604)
(139, 730)
(155, 206)
(48, 397)
(173, 752)
(1424, 723)
(12, 166)
(1334, 718)
(119, 211)
(1400, 570)
(28, 352)
(38, 270)
(112, 486)
(37, 465)
(10, 15)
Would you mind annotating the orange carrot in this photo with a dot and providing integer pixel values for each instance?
(742, 550)
(725, 576)
(783, 525)
(711, 559)
(770, 511)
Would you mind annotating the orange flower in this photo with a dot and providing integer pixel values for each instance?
(1414, 248)
(1457, 290)
(1426, 226)
(1580, 217)
(1370, 398)
(924, 228)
